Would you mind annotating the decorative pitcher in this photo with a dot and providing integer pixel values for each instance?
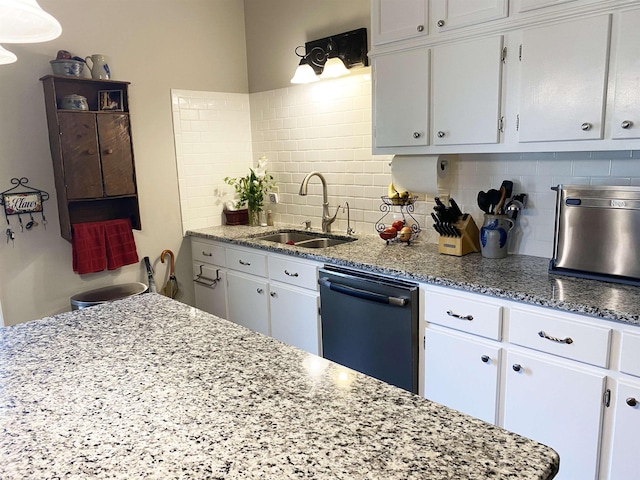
(494, 235)
(99, 67)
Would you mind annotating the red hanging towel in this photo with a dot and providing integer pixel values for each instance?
(100, 245)
(89, 247)
(121, 247)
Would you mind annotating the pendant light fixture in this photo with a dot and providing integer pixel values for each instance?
(24, 21)
(331, 57)
(6, 56)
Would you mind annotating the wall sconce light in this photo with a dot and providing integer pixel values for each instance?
(331, 57)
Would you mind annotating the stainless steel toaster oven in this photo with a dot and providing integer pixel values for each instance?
(597, 232)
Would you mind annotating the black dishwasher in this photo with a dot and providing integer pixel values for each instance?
(370, 324)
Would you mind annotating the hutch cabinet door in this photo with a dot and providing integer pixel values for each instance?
(115, 149)
(79, 143)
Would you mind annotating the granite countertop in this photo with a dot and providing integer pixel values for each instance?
(149, 387)
(517, 277)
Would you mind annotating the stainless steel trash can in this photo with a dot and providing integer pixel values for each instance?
(106, 294)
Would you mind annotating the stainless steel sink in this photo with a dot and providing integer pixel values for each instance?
(304, 239)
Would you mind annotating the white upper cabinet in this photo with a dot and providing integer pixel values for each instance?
(528, 5)
(450, 14)
(393, 20)
(400, 100)
(467, 79)
(563, 80)
(626, 111)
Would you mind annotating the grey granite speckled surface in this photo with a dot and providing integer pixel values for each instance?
(147, 387)
(517, 277)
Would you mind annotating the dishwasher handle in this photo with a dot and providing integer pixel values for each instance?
(355, 292)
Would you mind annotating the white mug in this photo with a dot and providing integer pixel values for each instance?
(99, 67)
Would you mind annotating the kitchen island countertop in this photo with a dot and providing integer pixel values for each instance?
(149, 387)
(519, 278)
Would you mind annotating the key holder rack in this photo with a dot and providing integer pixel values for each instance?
(28, 201)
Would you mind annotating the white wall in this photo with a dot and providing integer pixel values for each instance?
(157, 45)
(213, 140)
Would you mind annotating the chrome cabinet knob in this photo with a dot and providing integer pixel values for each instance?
(416, 135)
(441, 134)
(516, 367)
(441, 23)
(626, 124)
(586, 126)
(632, 402)
(485, 358)
(420, 28)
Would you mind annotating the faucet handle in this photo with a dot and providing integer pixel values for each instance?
(307, 224)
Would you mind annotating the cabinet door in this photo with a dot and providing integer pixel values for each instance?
(393, 20)
(528, 5)
(559, 405)
(294, 317)
(462, 373)
(449, 14)
(467, 80)
(564, 73)
(401, 86)
(210, 285)
(115, 150)
(626, 110)
(248, 298)
(625, 459)
(80, 153)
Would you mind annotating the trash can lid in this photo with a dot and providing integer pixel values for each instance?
(107, 294)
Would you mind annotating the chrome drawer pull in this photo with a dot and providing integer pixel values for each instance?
(461, 317)
(244, 263)
(567, 340)
(295, 274)
(207, 254)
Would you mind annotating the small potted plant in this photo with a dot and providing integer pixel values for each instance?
(251, 190)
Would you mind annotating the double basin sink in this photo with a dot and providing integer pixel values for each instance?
(304, 239)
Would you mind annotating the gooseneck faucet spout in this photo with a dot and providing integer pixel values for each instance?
(327, 219)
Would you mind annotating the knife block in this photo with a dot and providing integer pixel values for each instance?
(468, 242)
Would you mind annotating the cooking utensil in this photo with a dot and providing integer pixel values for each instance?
(152, 283)
(500, 204)
(483, 202)
(493, 196)
(171, 288)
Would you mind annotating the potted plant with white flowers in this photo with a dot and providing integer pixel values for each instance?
(252, 189)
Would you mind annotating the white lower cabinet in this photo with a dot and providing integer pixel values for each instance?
(269, 293)
(462, 373)
(625, 458)
(210, 288)
(294, 316)
(248, 298)
(559, 404)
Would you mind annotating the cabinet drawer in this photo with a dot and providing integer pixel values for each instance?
(467, 314)
(629, 358)
(302, 275)
(247, 261)
(564, 337)
(208, 253)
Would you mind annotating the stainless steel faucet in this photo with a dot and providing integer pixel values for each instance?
(350, 231)
(327, 220)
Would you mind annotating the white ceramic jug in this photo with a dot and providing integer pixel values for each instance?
(99, 67)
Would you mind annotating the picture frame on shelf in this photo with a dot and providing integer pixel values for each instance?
(110, 100)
